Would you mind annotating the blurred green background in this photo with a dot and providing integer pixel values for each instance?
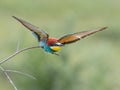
(91, 64)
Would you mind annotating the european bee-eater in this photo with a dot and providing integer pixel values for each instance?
(53, 45)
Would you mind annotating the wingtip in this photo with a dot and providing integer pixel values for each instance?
(15, 18)
(104, 27)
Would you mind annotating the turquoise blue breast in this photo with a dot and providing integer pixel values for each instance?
(46, 47)
(43, 44)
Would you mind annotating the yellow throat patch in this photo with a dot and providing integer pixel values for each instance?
(55, 48)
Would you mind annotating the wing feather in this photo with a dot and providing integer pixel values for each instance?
(70, 38)
(42, 35)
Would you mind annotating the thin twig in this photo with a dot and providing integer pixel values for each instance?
(25, 74)
(8, 77)
(18, 45)
(17, 52)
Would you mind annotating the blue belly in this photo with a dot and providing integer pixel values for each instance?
(46, 47)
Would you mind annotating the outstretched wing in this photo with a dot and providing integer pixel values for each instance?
(70, 38)
(40, 34)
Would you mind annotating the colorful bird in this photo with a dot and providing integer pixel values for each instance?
(53, 45)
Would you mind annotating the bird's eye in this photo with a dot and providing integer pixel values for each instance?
(58, 44)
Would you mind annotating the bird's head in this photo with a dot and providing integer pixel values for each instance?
(54, 44)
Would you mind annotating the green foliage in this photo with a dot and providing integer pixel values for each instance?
(91, 64)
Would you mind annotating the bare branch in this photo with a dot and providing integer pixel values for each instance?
(8, 77)
(23, 73)
(17, 52)
(18, 45)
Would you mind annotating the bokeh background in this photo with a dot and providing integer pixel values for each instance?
(91, 64)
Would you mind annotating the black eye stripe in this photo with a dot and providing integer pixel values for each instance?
(58, 44)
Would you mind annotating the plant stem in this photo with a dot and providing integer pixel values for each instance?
(23, 73)
(8, 77)
(17, 52)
